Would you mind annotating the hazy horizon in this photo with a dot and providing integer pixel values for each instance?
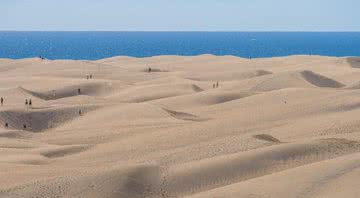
(190, 31)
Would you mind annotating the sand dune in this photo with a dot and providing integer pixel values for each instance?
(89, 89)
(321, 179)
(37, 120)
(205, 98)
(139, 181)
(227, 75)
(143, 93)
(297, 79)
(210, 173)
(274, 127)
(354, 62)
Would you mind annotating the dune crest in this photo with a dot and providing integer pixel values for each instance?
(297, 79)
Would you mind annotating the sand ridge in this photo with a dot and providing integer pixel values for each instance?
(196, 126)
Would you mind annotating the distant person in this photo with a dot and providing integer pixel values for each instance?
(2, 101)
(80, 113)
(30, 102)
(79, 91)
(149, 69)
(26, 102)
(87, 77)
(6, 125)
(24, 126)
(217, 84)
(91, 76)
(54, 94)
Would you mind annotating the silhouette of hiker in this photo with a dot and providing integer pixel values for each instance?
(2, 100)
(6, 125)
(24, 126)
(149, 69)
(80, 113)
(217, 84)
(26, 102)
(30, 102)
(90, 76)
(87, 77)
(79, 91)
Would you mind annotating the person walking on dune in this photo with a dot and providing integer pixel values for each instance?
(30, 102)
(26, 102)
(2, 101)
(54, 94)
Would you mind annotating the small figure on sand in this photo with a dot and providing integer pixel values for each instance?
(217, 84)
(80, 112)
(91, 76)
(149, 69)
(54, 94)
(6, 125)
(28, 102)
(79, 91)
(87, 77)
(24, 126)
(2, 101)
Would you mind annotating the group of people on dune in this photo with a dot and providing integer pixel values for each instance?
(28, 102)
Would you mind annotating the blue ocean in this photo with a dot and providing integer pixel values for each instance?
(97, 45)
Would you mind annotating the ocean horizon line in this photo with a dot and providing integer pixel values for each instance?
(190, 31)
(163, 55)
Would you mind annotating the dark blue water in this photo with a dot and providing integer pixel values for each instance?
(97, 45)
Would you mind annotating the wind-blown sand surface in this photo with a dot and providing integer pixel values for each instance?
(274, 128)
